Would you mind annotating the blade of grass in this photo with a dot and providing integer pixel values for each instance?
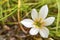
(57, 24)
(1, 11)
(8, 15)
(10, 9)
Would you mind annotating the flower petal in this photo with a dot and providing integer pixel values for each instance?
(27, 23)
(43, 12)
(34, 14)
(44, 32)
(49, 21)
(33, 31)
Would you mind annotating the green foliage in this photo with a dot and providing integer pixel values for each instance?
(9, 8)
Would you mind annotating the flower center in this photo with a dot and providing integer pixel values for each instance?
(39, 23)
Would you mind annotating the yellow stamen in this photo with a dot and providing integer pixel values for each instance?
(39, 23)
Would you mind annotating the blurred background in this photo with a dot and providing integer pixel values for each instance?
(13, 11)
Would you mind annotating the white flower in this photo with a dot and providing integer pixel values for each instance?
(39, 22)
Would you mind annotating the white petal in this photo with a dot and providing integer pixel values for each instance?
(27, 23)
(44, 32)
(43, 12)
(34, 14)
(33, 31)
(49, 21)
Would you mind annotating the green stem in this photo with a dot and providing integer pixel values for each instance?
(1, 13)
(57, 24)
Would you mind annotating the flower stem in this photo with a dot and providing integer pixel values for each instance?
(19, 17)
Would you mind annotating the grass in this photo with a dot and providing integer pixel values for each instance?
(13, 11)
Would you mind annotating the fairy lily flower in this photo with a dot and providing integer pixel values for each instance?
(39, 22)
